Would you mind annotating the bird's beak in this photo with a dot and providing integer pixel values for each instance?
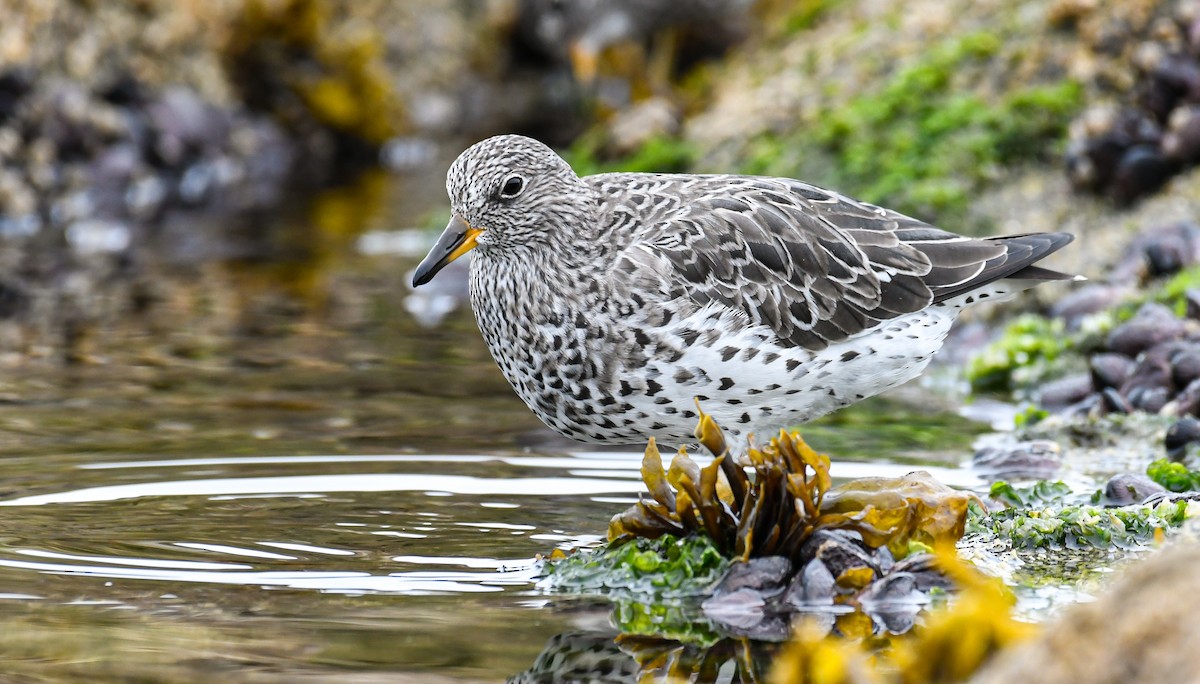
(458, 239)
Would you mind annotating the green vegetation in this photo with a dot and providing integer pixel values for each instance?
(1034, 348)
(657, 155)
(1030, 344)
(795, 17)
(1037, 518)
(921, 144)
(1042, 493)
(1029, 417)
(662, 621)
(1174, 476)
(666, 567)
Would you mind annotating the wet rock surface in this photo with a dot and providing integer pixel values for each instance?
(1130, 150)
(1029, 460)
(1184, 432)
(758, 597)
(1130, 633)
(1146, 361)
(1122, 490)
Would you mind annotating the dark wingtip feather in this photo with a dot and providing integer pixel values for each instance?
(1039, 273)
(1021, 252)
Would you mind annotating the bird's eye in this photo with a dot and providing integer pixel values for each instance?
(513, 185)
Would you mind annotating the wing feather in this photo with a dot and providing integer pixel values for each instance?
(814, 266)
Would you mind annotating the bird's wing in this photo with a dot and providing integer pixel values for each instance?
(814, 266)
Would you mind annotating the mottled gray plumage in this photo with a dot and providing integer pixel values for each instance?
(611, 302)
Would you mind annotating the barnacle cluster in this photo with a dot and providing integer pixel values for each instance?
(1130, 147)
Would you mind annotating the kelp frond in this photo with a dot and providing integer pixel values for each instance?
(771, 502)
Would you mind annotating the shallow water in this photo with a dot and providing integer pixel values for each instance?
(267, 566)
(280, 474)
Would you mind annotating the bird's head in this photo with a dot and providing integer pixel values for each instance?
(506, 192)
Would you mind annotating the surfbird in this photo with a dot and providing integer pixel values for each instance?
(613, 302)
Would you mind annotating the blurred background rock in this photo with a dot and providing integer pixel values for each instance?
(247, 146)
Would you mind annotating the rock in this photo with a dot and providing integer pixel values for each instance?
(1167, 249)
(884, 559)
(1037, 459)
(1192, 297)
(1143, 332)
(898, 587)
(923, 567)
(1089, 299)
(1187, 402)
(1185, 365)
(1167, 256)
(897, 620)
(1096, 162)
(1113, 402)
(124, 90)
(1151, 399)
(1130, 488)
(893, 601)
(15, 84)
(1131, 633)
(1091, 405)
(815, 585)
(1180, 75)
(1157, 98)
(1184, 432)
(1063, 392)
(838, 550)
(768, 575)
(1143, 169)
(1091, 164)
(1182, 141)
(1110, 370)
(742, 608)
(1151, 377)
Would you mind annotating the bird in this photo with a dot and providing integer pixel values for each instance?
(618, 305)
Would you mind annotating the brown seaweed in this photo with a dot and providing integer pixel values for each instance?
(772, 499)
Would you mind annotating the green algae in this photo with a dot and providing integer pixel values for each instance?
(1174, 476)
(1030, 416)
(659, 154)
(1031, 342)
(671, 620)
(1034, 348)
(1042, 493)
(663, 568)
(919, 143)
(1081, 525)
